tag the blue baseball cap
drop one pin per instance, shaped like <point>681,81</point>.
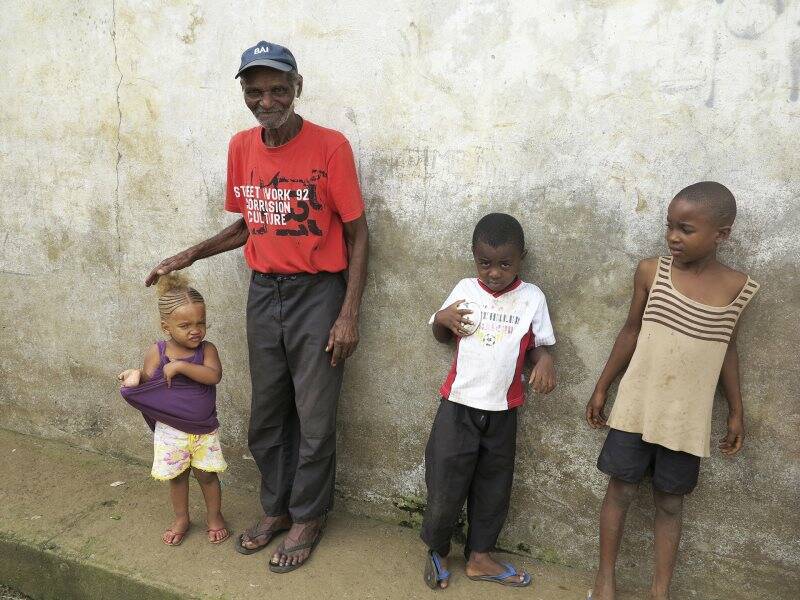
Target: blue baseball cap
<point>267,54</point>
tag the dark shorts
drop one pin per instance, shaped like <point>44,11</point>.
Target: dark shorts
<point>629,458</point>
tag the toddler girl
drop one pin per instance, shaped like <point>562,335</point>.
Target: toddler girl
<point>175,391</point>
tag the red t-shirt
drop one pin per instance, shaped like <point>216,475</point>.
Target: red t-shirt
<point>294,199</point>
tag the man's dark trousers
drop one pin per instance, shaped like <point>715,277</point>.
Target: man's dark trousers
<point>469,456</point>
<point>292,433</point>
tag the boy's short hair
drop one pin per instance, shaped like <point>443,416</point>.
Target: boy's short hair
<point>499,229</point>
<point>715,197</point>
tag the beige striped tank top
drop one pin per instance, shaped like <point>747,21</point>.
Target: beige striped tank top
<point>667,391</point>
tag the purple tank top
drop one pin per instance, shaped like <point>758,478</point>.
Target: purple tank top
<point>187,405</point>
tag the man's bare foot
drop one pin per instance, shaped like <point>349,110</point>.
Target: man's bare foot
<point>300,533</point>
<point>659,595</point>
<point>482,563</point>
<point>262,532</point>
<point>217,531</point>
<point>175,533</point>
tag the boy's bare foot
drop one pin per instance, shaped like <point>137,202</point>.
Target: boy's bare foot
<point>262,532</point>
<point>217,531</point>
<point>482,563</point>
<point>174,534</point>
<point>445,562</point>
<point>299,534</point>
<point>604,589</point>
<point>436,575</point>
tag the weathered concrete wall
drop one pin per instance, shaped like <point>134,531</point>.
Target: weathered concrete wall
<point>582,118</point>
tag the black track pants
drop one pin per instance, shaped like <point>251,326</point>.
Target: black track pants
<point>469,457</point>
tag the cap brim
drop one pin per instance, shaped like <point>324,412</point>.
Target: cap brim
<point>272,64</point>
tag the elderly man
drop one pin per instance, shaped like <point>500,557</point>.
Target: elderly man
<point>302,224</point>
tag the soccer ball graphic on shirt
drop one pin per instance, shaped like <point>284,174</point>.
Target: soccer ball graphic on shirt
<point>488,339</point>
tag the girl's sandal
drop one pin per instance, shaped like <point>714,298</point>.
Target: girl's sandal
<point>221,539</point>
<point>177,536</point>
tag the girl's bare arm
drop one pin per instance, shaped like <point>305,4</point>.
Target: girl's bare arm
<point>135,377</point>
<point>150,363</point>
<point>209,373</point>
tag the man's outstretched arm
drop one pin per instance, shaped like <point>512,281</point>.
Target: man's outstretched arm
<point>229,238</point>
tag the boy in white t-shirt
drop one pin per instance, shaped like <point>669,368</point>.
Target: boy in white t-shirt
<point>471,449</point>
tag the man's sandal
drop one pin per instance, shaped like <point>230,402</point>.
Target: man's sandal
<point>276,567</point>
<point>503,578</point>
<point>434,572</point>
<point>253,534</point>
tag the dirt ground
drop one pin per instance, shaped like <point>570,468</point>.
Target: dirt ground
<point>61,500</point>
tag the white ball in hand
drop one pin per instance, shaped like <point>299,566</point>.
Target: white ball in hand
<point>474,317</point>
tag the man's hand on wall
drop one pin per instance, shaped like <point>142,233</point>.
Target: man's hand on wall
<point>343,339</point>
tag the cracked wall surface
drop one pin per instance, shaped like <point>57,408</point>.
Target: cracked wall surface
<point>580,118</point>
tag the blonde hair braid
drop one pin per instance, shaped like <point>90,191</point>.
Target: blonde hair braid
<point>173,291</point>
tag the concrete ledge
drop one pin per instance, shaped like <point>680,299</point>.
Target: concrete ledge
<point>67,534</point>
<point>50,575</point>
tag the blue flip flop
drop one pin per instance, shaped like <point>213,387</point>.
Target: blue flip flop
<point>434,572</point>
<point>502,578</point>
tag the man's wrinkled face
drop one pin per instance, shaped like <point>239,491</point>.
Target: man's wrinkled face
<point>269,94</point>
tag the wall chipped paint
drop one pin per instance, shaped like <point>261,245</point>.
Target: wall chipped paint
<point>581,118</point>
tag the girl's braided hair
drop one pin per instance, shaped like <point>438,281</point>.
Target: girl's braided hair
<point>173,291</point>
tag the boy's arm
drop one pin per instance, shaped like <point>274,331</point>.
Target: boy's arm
<point>624,345</point>
<point>729,377</point>
<point>543,374</point>
<point>447,322</point>
<point>209,373</point>
<point>440,332</point>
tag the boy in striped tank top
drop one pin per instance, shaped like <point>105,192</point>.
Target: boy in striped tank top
<point>678,341</point>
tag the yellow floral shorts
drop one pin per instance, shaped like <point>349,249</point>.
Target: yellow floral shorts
<point>175,451</point>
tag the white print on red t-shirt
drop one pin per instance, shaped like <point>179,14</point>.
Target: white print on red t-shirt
<point>268,205</point>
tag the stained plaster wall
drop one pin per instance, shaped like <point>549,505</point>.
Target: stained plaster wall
<point>581,118</point>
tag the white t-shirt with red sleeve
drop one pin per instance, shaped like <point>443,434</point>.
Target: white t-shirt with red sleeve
<point>487,369</point>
